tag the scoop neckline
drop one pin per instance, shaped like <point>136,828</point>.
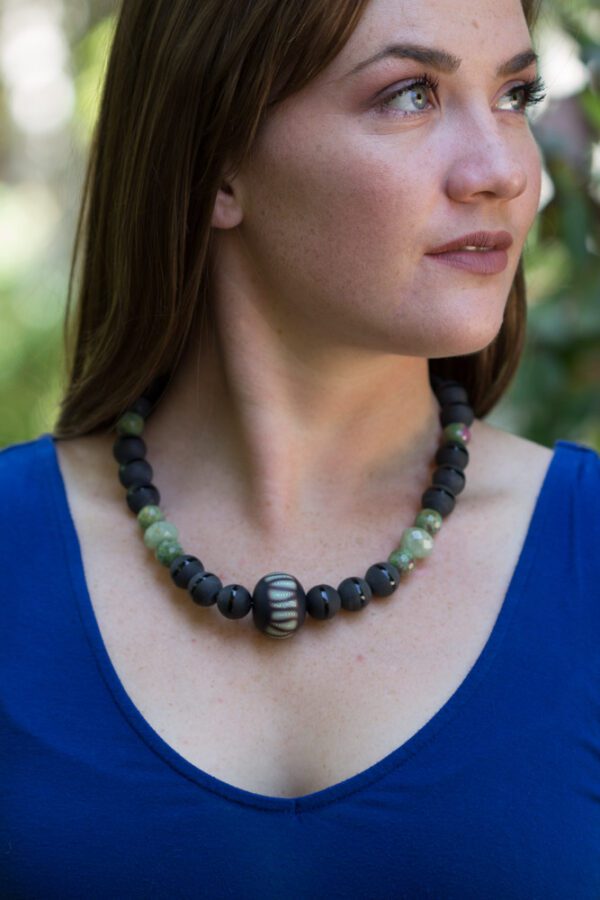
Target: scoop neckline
<point>341,789</point>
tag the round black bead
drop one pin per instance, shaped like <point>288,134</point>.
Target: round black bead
<point>439,498</point>
<point>453,454</point>
<point>456,412</point>
<point>234,601</point>
<point>278,605</point>
<point>142,406</point>
<point>183,568</point>
<point>436,381</point>
<point>203,588</point>
<point>383,578</point>
<point>451,392</point>
<point>323,601</point>
<point>141,495</point>
<point>354,593</point>
<point>126,448</point>
<point>449,477</point>
<point>138,471</point>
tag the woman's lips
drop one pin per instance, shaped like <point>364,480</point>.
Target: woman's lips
<point>481,262</point>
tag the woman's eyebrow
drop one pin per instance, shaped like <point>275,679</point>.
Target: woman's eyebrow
<point>443,61</point>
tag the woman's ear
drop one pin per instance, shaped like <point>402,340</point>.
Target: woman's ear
<point>227,211</point>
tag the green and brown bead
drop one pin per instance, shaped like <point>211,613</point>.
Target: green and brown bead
<point>430,520</point>
<point>167,551</point>
<point>150,514</point>
<point>130,423</point>
<point>458,432</point>
<point>416,541</point>
<point>160,531</point>
<point>402,560</point>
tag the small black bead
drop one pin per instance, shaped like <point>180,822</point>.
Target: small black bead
<point>383,578</point>
<point>323,601</point>
<point>354,593</point>
<point>203,588</point>
<point>451,392</point>
<point>142,406</point>
<point>453,454</point>
<point>450,477</point>
<point>456,412</point>
<point>138,471</point>
<point>439,498</point>
<point>436,381</point>
<point>183,568</point>
<point>141,495</point>
<point>234,601</point>
<point>126,448</point>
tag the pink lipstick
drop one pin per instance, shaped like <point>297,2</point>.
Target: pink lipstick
<point>487,255</point>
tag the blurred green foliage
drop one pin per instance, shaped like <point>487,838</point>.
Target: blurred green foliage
<point>556,393</point>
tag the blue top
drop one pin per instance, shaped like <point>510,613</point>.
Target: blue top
<point>496,796</point>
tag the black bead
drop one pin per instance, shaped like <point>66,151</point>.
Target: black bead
<point>141,495</point>
<point>448,476</point>
<point>453,454</point>
<point>234,601</point>
<point>203,588</point>
<point>438,498</point>
<point>126,448</point>
<point>456,412</point>
<point>323,601</point>
<point>354,592</point>
<point>436,381</point>
<point>138,471</point>
<point>383,578</point>
<point>278,605</point>
<point>451,392</point>
<point>183,568</point>
<point>142,406</point>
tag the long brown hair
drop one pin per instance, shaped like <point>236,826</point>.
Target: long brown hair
<point>187,87</point>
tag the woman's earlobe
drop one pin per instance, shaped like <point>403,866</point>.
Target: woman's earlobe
<point>227,212</point>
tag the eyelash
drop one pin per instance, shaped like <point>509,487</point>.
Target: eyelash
<point>533,91</point>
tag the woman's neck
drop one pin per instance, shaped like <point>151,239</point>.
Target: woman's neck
<point>291,431</point>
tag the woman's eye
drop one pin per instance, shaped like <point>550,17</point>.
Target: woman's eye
<point>530,93</point>
<point>413,93</point>
<point>412,98</point>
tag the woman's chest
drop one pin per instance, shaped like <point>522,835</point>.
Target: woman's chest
<point>288,718</point>
<point>294,718</point>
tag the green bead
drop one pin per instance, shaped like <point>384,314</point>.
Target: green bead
<point>167,551</point>
<point>130,423</point>
<point>457,431</point>
<point>430,520</point>
<point>150,514</point>
<point>402,560</point>
<point>158,532</point>
<point>417,542</point>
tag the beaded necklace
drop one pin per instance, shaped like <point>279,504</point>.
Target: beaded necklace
<point>278,602</point>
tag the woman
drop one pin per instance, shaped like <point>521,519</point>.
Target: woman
<point>271,194</point>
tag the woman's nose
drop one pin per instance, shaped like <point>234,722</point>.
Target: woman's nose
<point>490,161</point>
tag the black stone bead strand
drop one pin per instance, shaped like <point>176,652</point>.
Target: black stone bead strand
<point>452,457</point>
<point>278,603</point>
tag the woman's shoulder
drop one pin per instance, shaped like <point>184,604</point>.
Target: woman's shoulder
<point>562,482</point>
<point>517,455</point>
<point>512,474</point>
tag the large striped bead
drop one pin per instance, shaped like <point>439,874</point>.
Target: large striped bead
<point>278,605</point>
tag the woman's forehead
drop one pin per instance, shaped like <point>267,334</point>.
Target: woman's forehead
<point>452,29</point>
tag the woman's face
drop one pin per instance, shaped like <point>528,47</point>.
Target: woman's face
<point>351,183</point>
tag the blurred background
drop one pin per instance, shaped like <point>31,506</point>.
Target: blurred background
<point>52,59</point>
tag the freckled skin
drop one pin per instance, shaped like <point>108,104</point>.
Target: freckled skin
<point>340,205</point>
